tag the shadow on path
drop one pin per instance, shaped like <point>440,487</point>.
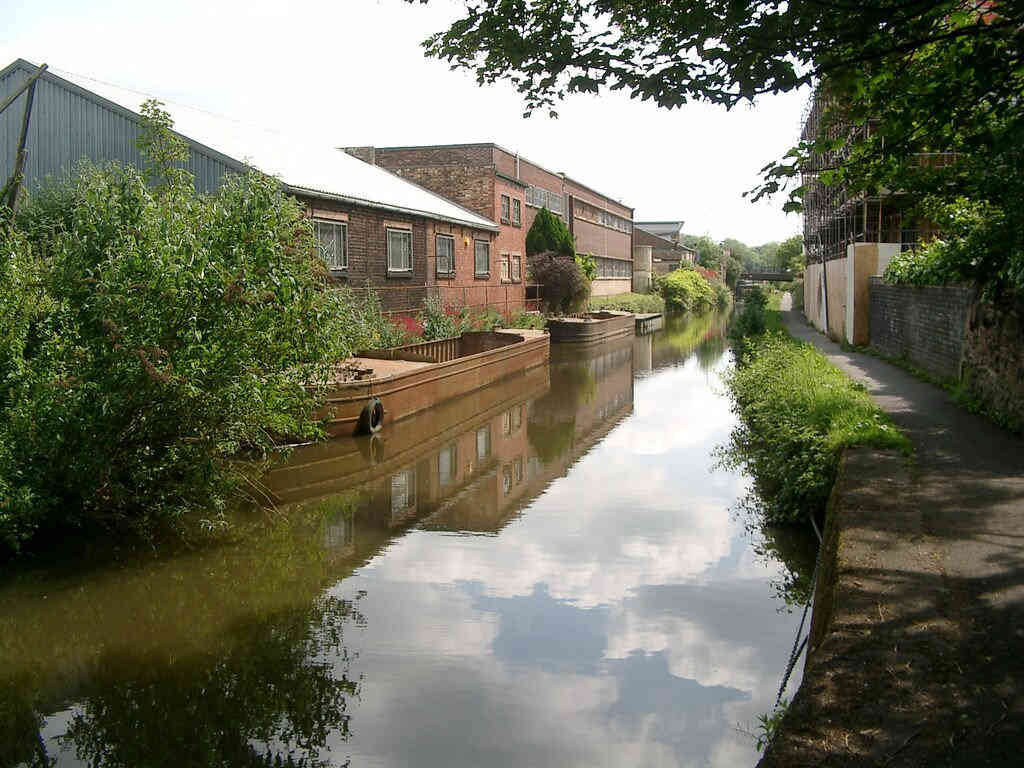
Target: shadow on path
<point>922,661</point>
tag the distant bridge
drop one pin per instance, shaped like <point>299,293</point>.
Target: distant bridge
<point>775,277</point>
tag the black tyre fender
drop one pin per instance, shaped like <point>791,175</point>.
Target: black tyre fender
<point>371,419</point>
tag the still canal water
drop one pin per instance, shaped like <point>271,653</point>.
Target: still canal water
<point>545,573</point>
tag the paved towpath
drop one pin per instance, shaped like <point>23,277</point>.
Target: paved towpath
<point>924,660</point>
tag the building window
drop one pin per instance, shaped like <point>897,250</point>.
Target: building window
<point>517,418</point>
<point>403,494</point>
<point>333,239</point>
<point>482,258</point>
<point>517,470</point>
<point>444,249</point>
<point>517,212</point>
<point>614,268</point>
<point>517,268</point>
<point>506,479</point>
<point>483,443</point>
<point>447,463</point>
<point>539,197</point>
<point>505,205</point>
<point>506,269</point>
<point>399,250</point>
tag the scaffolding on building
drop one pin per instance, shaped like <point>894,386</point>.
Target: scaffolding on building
<point>833,217</point>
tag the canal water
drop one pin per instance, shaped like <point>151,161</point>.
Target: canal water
<point>550,572</point>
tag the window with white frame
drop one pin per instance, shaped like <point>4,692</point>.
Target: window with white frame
<point>399,250</point>
<point>517,268</point>
<point>482,258</point>
<point>332,237</point>
<point>444,249</point>
<point>506,268</point>
<point>517,212</point>
<point>505,208</point>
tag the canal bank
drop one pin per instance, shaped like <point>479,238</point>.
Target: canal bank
<point>918,620</point>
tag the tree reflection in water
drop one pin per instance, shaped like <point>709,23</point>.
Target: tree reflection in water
<point>274,697</point>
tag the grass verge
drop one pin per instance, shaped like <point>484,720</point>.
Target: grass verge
<point>797,413</point>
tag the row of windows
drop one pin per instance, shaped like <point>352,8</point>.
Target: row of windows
<point>595,215</point>
<point>613,267</point>
<point>511,211</point>
<point>539,197</point>
<point>332,237</point>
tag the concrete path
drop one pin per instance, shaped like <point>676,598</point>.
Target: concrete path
<point>922,662</point>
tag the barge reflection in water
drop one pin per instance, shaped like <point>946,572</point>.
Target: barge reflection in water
<point>599,605</point>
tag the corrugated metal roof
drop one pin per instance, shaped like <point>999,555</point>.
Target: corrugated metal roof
<point>303,166</point>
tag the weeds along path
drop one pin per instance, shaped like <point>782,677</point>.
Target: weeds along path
<point>920,663</point>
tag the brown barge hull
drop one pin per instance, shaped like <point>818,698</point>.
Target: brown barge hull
<point>596,326</point>
<point>427,383</point>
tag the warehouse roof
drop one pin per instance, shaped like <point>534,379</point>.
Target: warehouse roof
<point>303,166</point>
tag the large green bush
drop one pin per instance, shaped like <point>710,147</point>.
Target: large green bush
<point>566,289</point>
<point>148,336</point>
<point>686,291</point>
<point>548,234</point>
<point>796,413</point>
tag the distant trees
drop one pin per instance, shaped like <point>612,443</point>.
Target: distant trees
<point>790,255</point>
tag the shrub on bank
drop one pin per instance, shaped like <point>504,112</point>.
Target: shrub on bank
<point>566,289</point>
<point>629,302</point>
<point>147,336</point>
<point>797,412</point>
<point>687,291</point>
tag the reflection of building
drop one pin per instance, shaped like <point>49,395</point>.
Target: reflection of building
<point>446,471</point>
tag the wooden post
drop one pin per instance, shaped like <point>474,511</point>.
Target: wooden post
<point>19,160</point>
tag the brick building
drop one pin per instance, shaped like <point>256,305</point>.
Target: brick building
<point>375,229</point>
<point>503,186</point>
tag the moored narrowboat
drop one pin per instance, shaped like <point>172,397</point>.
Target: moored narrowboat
<point>385,386</point>
<point>591,327</point>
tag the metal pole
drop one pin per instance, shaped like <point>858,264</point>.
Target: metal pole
<point>19,160</point>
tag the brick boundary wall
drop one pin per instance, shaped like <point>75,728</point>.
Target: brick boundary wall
<point>925,325</point>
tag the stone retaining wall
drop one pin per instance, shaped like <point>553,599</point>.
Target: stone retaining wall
<point>993,362</point>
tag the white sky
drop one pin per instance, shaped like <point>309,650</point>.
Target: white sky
<point>351,72</point>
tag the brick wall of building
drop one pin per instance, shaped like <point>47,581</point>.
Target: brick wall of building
<point>367,254</point>
<point>925,325</point>
<point>470,186</point>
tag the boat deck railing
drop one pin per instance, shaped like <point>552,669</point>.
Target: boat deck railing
<point>445,350</point>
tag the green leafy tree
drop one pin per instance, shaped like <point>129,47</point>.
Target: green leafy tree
<point>166,333</point>
<point>905,78</point>
<point>548,234</point>
<point>687,291</point>
<point>709,253</point>
<point>790,255</point>
<point>588,265</point>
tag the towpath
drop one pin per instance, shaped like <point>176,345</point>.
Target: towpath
<point>922,659</point>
